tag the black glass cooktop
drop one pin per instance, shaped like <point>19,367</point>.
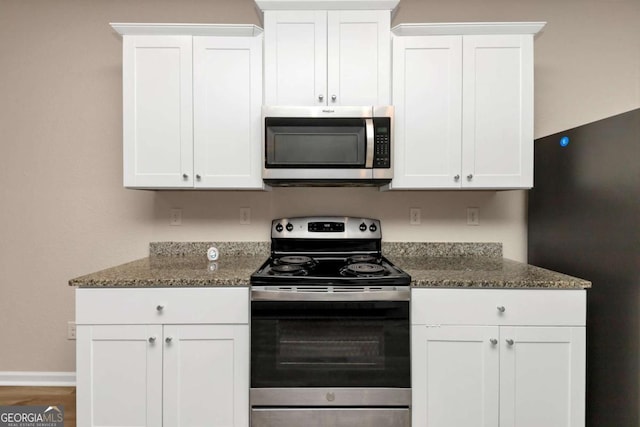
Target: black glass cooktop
<point>361,269</point>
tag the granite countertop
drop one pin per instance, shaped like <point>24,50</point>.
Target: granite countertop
<point>441,265</point>
<point>472,265</point>
<point>177,264</point>
<point>479,272</point>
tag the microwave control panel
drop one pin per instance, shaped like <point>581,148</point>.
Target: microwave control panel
<point>382,142</point>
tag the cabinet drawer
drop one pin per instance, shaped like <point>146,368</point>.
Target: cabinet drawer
<point>157,306</point>
<point>498,307</point>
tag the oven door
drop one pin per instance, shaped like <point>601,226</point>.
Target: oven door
<point>330,344</point>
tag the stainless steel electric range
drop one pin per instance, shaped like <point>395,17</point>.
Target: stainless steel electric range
<point>329,328</point>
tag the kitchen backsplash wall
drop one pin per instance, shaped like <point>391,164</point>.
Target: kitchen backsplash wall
<point>216,215</point>
<point>64,211</point>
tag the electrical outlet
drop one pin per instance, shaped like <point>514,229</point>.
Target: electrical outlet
<point>245,216</point>
<point>473,216</point>
<point>414,216</point>
<point>71,330</point>
<point>175,217</point>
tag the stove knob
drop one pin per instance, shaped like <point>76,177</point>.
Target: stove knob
<point>279,228</point>
<point>373,228</point>
<point>289,227</point>
<point>363,227</point>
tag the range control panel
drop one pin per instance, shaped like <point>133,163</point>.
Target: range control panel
<point>326,227</point>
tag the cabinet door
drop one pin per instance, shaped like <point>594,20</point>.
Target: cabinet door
<point>206,375</point>
<point>427,97</point>
<point>542,377</point>
<point>454,376</point>
<point>359,57</point>
<point>497,110</point>
<point>119,375</point>
<point>227,112</point>
<point>295,57</point>
<point>157,111</point>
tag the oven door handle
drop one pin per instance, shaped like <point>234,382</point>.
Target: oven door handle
<point>262,293</point>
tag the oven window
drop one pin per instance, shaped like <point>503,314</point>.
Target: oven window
<point>330,344</point>
<point>306,144</point>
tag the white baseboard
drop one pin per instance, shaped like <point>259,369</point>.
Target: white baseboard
<point>47,379</point>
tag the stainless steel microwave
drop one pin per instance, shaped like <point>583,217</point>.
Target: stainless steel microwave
<point>328,145</point>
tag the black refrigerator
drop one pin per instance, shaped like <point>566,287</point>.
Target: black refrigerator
<point>584,220</point>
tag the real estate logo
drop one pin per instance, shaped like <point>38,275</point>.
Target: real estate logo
<point>31,416</point>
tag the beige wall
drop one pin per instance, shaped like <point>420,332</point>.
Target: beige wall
<point>63,211</point>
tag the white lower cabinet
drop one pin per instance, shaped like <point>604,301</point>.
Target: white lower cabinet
<point>193,371</point>
<point>477,361</point>
<point>454,376</point>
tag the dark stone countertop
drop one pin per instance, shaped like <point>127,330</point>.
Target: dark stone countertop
<point>483,272</point>
<point>435,265</point>
<point>174,271</point>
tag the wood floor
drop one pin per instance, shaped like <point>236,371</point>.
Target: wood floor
<point>52,396</point>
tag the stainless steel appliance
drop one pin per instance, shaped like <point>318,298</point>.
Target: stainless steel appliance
<point>583,221</point>
<point>329,328</point>
<point>328,145</point>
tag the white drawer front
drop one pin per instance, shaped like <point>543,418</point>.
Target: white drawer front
<point>158,306</point>
<point>498,307</point>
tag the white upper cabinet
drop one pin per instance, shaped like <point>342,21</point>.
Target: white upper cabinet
<point>295,65</point>
<point>497,111</point>
<point>427,77</point>
<point>463,97</point>
<point>359,57</point>
<point>227,95</point>
<point>327,57</point>
<point>192,97</point>
<point>157,111</point>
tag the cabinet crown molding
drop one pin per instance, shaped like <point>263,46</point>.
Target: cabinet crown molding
<point>468,28</point>
<point>327,4</point>
<point>221,30</point>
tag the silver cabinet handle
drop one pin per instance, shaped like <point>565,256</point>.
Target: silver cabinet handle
<point>501,308</point>
<point>333,98</point>
<point>185,176</point>
<point>320,97</point>
<point>493,341</point>
<point>152,339</point>
<point>470,177</point>
<point>168,340</point>
<point>159,307</point>
<point>510,341</point>
<point>198,177</point>
<point>456,178</point>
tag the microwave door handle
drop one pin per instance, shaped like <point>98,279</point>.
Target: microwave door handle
<point>370,138</point>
